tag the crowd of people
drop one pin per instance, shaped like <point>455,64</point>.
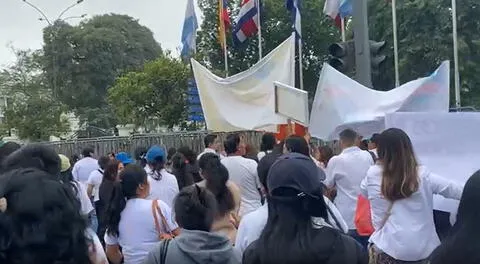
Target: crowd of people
<point>292,202</point>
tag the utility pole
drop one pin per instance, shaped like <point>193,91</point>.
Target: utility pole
<point>362,43</point>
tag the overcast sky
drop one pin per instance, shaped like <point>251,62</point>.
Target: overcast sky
<point>20,27</point>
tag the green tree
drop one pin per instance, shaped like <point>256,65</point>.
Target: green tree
<point>31,110</point>
<point>154,96</point>
<point>425,40</point>
<point>317,30</point>
<point>82,62</point>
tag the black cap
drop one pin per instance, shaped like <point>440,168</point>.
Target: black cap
<point>298,172</point>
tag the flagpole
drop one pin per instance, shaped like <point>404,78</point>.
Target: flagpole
<point>342,21</point>
<point>300,52</point>
<point>395,43</point>
<point>455,55</point>
<point>224,38</point>
<point>259,23</point>
<point>225,55</point>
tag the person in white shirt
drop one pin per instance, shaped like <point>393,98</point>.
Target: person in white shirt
<point>345,172</point>
<point>372,144</point>
<point>163,185</point>
<point>135,223</point>
<point>212,145</point>
<point>253,223</point>
<point>268,142</point>
<point>95,179</point>
<point>243,172</point>
<point>401,192</point>
<point>82,169</point>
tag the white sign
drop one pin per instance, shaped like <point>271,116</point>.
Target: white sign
<point>447,143</point>
<point>291,103</point>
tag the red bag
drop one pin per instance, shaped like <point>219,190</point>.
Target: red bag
<point>363,217</point>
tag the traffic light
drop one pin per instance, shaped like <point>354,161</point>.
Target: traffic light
<point>377,58</point>
<point>342,56</point>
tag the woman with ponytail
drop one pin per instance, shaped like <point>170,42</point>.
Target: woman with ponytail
<point>226,193</point>
<point>163,185</point>
<point>134,223</point>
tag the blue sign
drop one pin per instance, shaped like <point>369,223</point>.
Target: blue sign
<point>195,112</point>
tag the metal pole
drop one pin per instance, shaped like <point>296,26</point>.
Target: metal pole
<point>458,103</point>
<point>395,43</point>
<point>259,23</point>
<point>342,21</point>
<point>362,46</point>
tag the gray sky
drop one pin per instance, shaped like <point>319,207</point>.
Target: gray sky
<point>20,27</point>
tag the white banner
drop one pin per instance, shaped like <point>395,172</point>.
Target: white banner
<point>447,143</point>
<point>341,102</point>
<point>246,101</point>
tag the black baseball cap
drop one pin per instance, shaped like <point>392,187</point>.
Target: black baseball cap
<point>296,171</point>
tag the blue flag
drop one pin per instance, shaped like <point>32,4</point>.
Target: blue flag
<point>189,32</point>
<point>293,7</point>
<point>345,9</point>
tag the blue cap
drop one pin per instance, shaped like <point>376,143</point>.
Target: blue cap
<point>124,158</point>
<point>154,153</point>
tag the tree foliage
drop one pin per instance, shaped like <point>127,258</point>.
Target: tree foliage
<point>425,40</point>
<point>83,61</point>
<point>154,96</point>
<point>31,110</point>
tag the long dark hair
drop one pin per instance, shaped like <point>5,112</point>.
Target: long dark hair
<point>461,245</point>
<point>268,142</point>
<point>400,176</point>
<point>216,176</point>
<point>195,208</point>
<point>326,153</point>
<point>130,178</point>
<point>179,169</point>
<point>111,171</point>
<point>289,236</point>
<point>42,222</point>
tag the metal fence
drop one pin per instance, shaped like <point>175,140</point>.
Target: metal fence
<point>104,145</point>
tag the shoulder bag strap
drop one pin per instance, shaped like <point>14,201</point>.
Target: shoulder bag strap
<point>163,251</point>
<point>162,218</point>
<point>387,215</point>
<point>155,217</point>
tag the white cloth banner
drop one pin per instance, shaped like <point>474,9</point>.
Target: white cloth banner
<point>447,143</point>
<point>341,102</point>
<point>246,101</point>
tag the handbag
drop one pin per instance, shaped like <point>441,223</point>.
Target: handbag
<point>363,217</point>
<point>372,253</point>
<point>156,211</point>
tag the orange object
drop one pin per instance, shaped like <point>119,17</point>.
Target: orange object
<point>285,130</point>
<point>363,217</point>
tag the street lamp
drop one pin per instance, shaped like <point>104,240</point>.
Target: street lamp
<point>54,33</point>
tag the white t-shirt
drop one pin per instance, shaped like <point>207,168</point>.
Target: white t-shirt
<point>243,172</point>
<point>95,249</point>
<point>95,179</point>
<point>82,196</point>
<point>165,189</point>
<point>137,233</point>
<point>252,224</point>
<point>346,171</point>
<point>409,231</point>
<point>82,169</point>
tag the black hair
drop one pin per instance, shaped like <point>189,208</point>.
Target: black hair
<point>264,167</point>
<point>179,169</point>
<point>364,144</point>
<point>158,164</point>
<point>189,154</point>
<point>87,151</point>
<point>297,144</point>
<point>171,152</point>
<point>66,177</point>
<point>37,156</point>
<point>289,235</point>
<point>130,178</point>
<point>278,148</point>
<point>461,245</point>
<point>209,140</point>
<point>268,142</point>
<point>348,136</point>
<point>375,138</point>
<point>7,149</point>
<point>216,177</point>
<point>103,162</point>
<point>326,154</point>
<point>42,222</point>
<point>195,208</point>
<point>232,143</point>
<point>111,170</point>
<point>140,153</point>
